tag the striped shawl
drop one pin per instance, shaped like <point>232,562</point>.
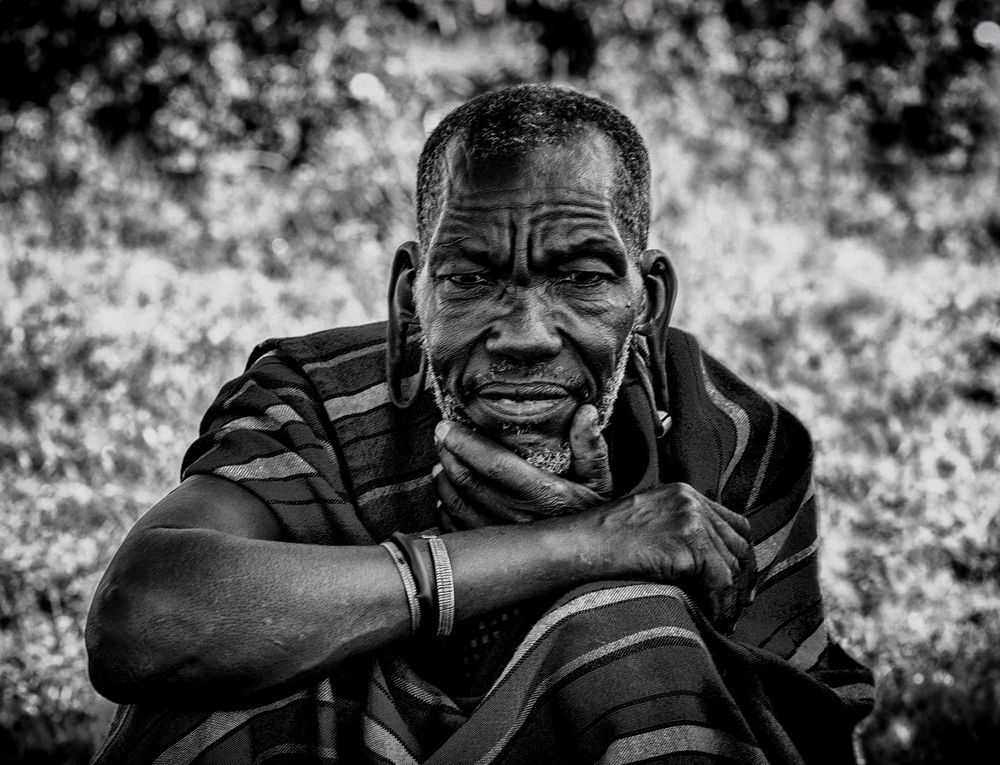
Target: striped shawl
<point>613,672</point>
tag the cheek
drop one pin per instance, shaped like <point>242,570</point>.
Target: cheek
<point>601,334</point>
<point>450,336</point>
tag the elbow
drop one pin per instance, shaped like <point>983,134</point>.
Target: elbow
<point>113,654</point>
<point>123,661</point>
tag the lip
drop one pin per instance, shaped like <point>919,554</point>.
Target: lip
<point>522,404</point>
<point>523,391</point>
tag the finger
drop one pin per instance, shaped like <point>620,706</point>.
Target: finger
<point>498,507</point>
<point>590,451</point>
<point>457,472</point>
<point>737,546</point>
<point>445,521</point>
<point>738,522</point>
<point>486,501</point>
<point>459,514</point>
<point>719,544</point>
<point>730,526</point>
<point>748,579</point>
<point>720,593</point>
<point>746,571</point>
<point>523,486</point>
<point>487,459</point>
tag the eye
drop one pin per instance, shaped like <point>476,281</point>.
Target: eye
<point>583,278</point>
<point>469,279</point>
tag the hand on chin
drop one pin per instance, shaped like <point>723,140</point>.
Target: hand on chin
<point>480,482</point>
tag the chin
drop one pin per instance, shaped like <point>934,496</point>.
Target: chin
<point>543,442</point>
<point>543,452</point>
<point>523,443</point>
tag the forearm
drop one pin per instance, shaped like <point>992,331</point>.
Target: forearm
<point>192,614</point>
<point>189,614</point>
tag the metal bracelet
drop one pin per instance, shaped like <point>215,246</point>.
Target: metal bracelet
<point>420,564</point>
<point>444,583</point>
<point>409,585</point>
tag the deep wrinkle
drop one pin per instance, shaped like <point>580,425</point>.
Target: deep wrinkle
<point>526,272</point>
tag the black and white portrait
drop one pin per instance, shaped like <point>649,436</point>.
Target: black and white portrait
<point>502,381</point>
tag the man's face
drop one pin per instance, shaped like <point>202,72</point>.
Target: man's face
<point>527,296</point>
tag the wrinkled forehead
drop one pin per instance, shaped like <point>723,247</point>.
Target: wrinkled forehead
<point>545,204</point>
<point>584,162</point>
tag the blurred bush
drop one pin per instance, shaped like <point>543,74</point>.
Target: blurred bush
<point>180,179</point>
<point>886,89</point>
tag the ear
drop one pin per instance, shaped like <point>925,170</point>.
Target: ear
<point>402,313</point>
<point>660,283</point>
<point>405,264</point>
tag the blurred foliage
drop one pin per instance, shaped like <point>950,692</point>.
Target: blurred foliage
<point>180,179</point>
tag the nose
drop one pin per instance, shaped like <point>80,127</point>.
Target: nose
<point>525,332</point>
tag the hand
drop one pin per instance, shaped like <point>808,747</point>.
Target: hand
<point>674,534</point>
<point>481,483</point>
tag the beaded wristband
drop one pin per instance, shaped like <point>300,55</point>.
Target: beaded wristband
<point>409,586</point>
<point>420,565</point>
<point>444,582</point>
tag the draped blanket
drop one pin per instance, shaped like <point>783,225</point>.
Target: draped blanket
<point>612,672</point>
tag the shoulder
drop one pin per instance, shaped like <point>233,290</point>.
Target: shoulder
<point>385,454</point>
<point>344,369</point>
<point>738,439</point>
<point>305,372</point>
<point>327,349</point>
<point>335,362</point>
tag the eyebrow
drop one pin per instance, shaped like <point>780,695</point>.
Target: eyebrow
<point>468,246</point>
<point>600,244</point>
<point>452,241</point>
<point>446,255</point>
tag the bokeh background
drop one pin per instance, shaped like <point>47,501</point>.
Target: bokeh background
<point>180,179</point>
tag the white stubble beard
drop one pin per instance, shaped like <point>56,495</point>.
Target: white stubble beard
<point>556,461</point>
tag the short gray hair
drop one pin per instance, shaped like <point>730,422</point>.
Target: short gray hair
<point>512,121</point>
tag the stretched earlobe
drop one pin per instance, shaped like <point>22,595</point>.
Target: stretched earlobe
<point>402,313</point>
<point>642,362</point>
<point>661,292</point>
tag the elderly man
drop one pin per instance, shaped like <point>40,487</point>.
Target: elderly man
<point>522,521</point>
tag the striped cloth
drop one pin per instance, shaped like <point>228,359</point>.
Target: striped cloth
<point>613,672</point>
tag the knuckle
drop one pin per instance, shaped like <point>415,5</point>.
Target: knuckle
<point>744,551</point>
<point>462,477</point>
<point>689,564</point>
<point>667,491</point>
<point>682,489</point>
<point>554,485</point>
<point>692,506</point>
<point>726,580</point>
<point>494,471</point>
<point>690,515</point>
<point>561,494</point>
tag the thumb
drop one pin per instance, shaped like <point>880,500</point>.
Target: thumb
<point>590,451</point>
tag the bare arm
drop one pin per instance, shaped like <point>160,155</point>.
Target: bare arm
<point>203,605</point>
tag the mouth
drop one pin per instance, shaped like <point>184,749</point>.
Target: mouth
<point>522,404</point>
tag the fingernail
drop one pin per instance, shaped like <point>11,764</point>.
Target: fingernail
<point>441,430</point>
<point>436,469</point>
<point>595,425</point>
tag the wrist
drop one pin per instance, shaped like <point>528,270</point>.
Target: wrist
<point>580,545</point>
